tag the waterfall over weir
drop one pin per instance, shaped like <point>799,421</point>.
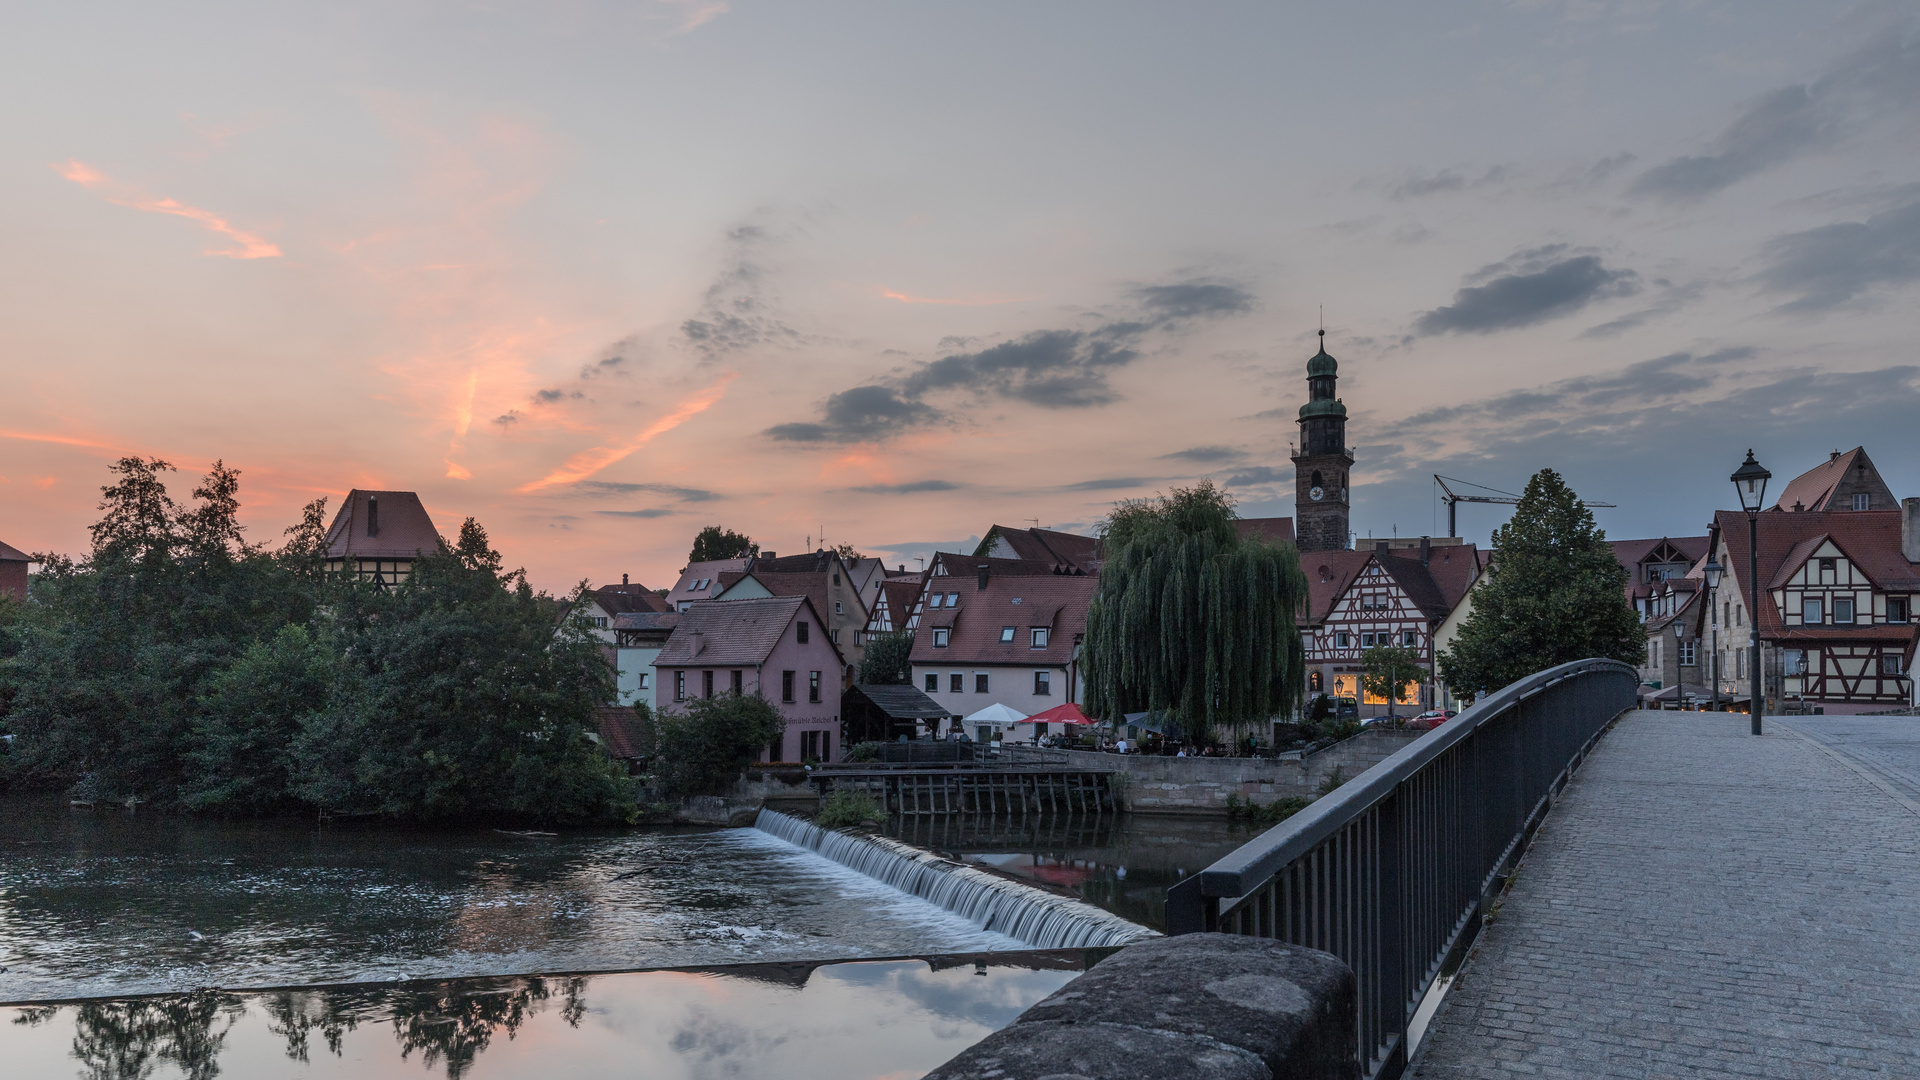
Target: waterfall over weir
<point>1035,916</point>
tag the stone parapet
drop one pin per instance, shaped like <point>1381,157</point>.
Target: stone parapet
<point>1204,785</point>
<point>1201,1005</point>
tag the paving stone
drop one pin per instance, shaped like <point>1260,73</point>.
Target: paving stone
<point>1703,903</point>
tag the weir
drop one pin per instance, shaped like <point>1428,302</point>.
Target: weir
<point>1037,917</point>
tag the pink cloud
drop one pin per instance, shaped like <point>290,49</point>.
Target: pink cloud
<point>246,244</point>
<point>587,462</point>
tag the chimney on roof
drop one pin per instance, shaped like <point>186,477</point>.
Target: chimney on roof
<point>1910,529</point>
<point>699,641</point>
<point>373,515</point>
<point>766,555</point>
<point>623,579</point>
<point>1380,546</point>
<point>1833,457</point>
<point>903,568</point>
<point>983,576</point>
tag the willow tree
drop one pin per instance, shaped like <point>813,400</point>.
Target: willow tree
<point>1192,618</point>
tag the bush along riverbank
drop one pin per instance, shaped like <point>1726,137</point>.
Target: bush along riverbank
<point>179,665</point>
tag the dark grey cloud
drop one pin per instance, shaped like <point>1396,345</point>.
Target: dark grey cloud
<point>1117,483</point>
<point>1260,474</point>
<point>609,487</point>
<point>548,397</point>
<point>1647,381</point>
<point>1531,287</point>
<point>911,488</point>
<point>650,512</point>
<point>1671,299</point>
<point>1790,121</point>
<point>735,313</point>
<point>1414,185</point>
<point>1204,455</point>
<point>510,417</point>
<point>1189,299</point>
<point>1835,264</point>
<point>862,413</point>
<point>1053,369</point>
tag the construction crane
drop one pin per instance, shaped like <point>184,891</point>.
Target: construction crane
<point>1452,499</point>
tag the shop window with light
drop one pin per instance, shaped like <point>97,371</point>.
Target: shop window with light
<point>1843,609</point>
<point>1042,683</point>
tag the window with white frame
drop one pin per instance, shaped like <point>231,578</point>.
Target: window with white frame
<point>1689,656</point>
<point>1408,638</point>
<point>1843,609</point>
<point>1039,637</point>
<point>1890,664</point>
<point>1860,500</point>
<point>1342,639</point>
<point>1812,611</point>
<point>940,636</point>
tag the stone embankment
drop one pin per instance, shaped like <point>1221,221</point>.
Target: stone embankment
<point>1203,785</point>
<point>1217,1006</point>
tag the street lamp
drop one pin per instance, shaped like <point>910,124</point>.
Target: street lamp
<point>1712,572</point>
<point>1750,483</point>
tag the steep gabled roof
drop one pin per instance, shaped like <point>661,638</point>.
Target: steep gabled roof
<point>1277,529</point>
<point>735,633</point>
<point>1328,575</point>
<point>615,599</point>
<point>1043,545</point>
<point>661,621</point>
<point>1455,568</point>
<point>9,553</point>
<point>1870,538</point>
<point>381,525</point>
<point>708,572</point>
<point>1813,490</point>
<point>1417,582</point>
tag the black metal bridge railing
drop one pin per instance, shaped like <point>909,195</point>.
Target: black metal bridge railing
<point>1388,871</point>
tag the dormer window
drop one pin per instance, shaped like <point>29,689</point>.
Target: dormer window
<point>1039,637</point>
<point>940,637</point>
<point>936,601</point>
<point>1006,635</point>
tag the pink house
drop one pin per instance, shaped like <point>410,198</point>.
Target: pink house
<point>774,646</point>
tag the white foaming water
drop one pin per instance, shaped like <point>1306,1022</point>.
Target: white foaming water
<point>1041,919</point>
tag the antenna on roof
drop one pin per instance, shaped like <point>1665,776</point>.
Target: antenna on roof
<point>1036,521</point>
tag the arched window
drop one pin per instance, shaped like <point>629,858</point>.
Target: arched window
<point>1315,482</point>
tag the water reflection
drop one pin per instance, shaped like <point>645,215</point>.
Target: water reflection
<point>1123,863</point>
<point>873,1018</point>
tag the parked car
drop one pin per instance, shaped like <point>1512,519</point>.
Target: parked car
<point>1432,718</point>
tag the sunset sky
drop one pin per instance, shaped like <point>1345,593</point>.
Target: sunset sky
<point>601,274</point>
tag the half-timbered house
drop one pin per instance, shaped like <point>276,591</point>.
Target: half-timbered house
<point>1361,599</point>
<point>1836,611</point>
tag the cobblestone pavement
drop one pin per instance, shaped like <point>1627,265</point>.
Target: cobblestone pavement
<point>1888,746</point>
<point>1700,903</point>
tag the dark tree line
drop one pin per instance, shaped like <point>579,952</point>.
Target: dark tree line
<point>179,664</point>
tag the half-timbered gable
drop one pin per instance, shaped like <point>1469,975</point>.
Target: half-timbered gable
<point>1362,599</point>
<point>1836,607</point>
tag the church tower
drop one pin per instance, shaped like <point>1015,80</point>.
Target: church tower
<point>1320,467</point>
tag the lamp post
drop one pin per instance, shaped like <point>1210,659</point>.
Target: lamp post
<point>1750,483</point>
<point>1712,572</point>
<point>1679,669</point>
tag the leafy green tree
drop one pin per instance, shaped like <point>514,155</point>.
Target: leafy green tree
<point>251,713</point>
<point>1193,618</point>
<point>848,553</point>
<point>704,748</point>
<point>1553,594</point>
<point>1387,669</point>
<point>461,700</point>
<point>714,542</point>
<point>885,661</point>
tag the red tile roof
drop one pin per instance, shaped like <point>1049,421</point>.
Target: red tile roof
<point>1056,601</point>
<point>616,599</point>
<point>721,633</point>
<point>1328,575</point>
<point>1871,539</point>
<point>622,733</point>
<point>400,530</point>
<point>709,572</point>
<point>1277,529</point>
<point>1045,545</point>
<point>1812,489</point>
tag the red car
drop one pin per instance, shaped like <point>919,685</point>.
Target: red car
<point>1433,718</point>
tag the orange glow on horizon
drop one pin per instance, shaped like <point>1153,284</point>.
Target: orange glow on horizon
<point>587,462</point>
<point>249,245</point>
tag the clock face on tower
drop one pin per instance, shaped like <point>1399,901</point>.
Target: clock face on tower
<point>1316,494</point>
